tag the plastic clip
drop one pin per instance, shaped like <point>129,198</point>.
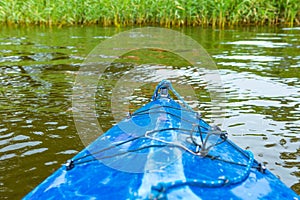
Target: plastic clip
<point>262,168</point>
<point>69,165</point>
<point>128,115</point>
<point>224,135</point>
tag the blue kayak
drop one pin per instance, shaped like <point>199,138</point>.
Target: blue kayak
<point>164,150</point>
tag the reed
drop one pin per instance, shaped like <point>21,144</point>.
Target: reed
<point>217,13</point>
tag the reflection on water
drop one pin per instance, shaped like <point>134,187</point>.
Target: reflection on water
<point>259,68</point>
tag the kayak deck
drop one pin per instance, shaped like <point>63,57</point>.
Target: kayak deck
<point>162,151</point>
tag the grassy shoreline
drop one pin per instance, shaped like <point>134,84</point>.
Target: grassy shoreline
<point>167,13</point>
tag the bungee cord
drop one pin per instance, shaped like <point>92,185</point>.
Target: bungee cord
<point>200,147</point>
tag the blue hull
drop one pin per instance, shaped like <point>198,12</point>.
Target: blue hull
<point>163,151</point>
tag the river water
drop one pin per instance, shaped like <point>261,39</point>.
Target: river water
<point>258,67</point>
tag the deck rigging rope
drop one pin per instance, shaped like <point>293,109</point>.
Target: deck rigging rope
<point>71,163</point>
<point>166,84</point>
<point>199,146</point>
<point>160,191</point>
<point>202,148</point>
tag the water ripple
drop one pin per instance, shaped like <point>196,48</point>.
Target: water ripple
<point>260,43</point>
<point>14,147</point>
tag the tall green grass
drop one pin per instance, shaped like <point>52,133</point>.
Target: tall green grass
<point>150,12</point>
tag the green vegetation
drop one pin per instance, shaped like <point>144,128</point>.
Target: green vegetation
<point>150,12</point>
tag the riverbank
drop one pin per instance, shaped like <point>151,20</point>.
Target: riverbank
<point>167,13</point>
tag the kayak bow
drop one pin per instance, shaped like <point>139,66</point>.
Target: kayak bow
<point>164,150</point>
